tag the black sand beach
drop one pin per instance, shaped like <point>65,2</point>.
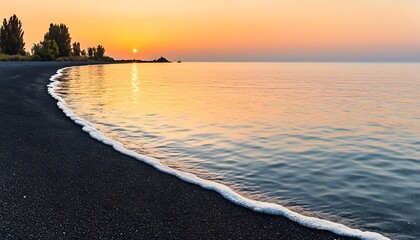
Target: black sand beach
<point>56,182</point>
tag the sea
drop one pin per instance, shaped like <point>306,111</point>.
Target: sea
<point>333,141</point>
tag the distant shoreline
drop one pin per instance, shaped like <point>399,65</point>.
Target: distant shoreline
<point>77,59</point>
<point>159,60</point>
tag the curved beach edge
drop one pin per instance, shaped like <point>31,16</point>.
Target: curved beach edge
<point>224,191</point>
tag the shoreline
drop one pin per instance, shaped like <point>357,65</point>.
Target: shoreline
<point>223,190</point>
<point>50,158</point>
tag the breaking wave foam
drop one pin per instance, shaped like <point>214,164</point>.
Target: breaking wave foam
<point>225,191</point>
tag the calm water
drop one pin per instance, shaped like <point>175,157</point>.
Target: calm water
<point>339,141</point>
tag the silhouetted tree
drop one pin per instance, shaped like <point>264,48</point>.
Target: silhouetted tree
<point>46,50</point>
<point>60,34</point>
<point>91,52</point>
<point>83,52</point>
<point>11,36</point>
<point>76,49</point>
<point>94,52</point>
<point>100,52</point>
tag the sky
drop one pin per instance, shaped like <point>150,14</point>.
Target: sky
<point>232,30</point>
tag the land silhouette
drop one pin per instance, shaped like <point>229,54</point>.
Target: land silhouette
<point>56,46</point>
<point>159,60</point>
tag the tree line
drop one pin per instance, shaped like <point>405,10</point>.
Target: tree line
<point>56,44</point>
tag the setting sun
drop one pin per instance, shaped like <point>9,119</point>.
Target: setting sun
<point>134,50</point>
<point>266,30</point>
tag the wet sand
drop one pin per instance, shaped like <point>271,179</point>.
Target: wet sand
<point>56,182</point>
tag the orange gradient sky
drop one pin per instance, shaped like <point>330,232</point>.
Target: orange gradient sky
<point>234,30</point>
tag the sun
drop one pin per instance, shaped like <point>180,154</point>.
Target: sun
<point>134,50</point>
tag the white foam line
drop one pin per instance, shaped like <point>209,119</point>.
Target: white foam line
<point>225,191</point>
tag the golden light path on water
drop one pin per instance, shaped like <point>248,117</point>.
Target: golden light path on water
<point>134,84</point>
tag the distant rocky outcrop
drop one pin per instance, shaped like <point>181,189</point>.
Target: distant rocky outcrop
<point>161,59</point>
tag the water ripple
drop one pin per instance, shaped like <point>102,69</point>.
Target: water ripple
<point>336,141</point>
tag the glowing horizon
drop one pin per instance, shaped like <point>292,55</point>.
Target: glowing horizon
<point>248,30</point>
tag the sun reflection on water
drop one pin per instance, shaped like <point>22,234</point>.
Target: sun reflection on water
<point>134,83</point>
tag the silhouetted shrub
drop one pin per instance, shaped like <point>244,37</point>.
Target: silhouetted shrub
<point>47,50</point>
<point>100,52</point>
<point>76,49</point>
<point>91,52</point>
